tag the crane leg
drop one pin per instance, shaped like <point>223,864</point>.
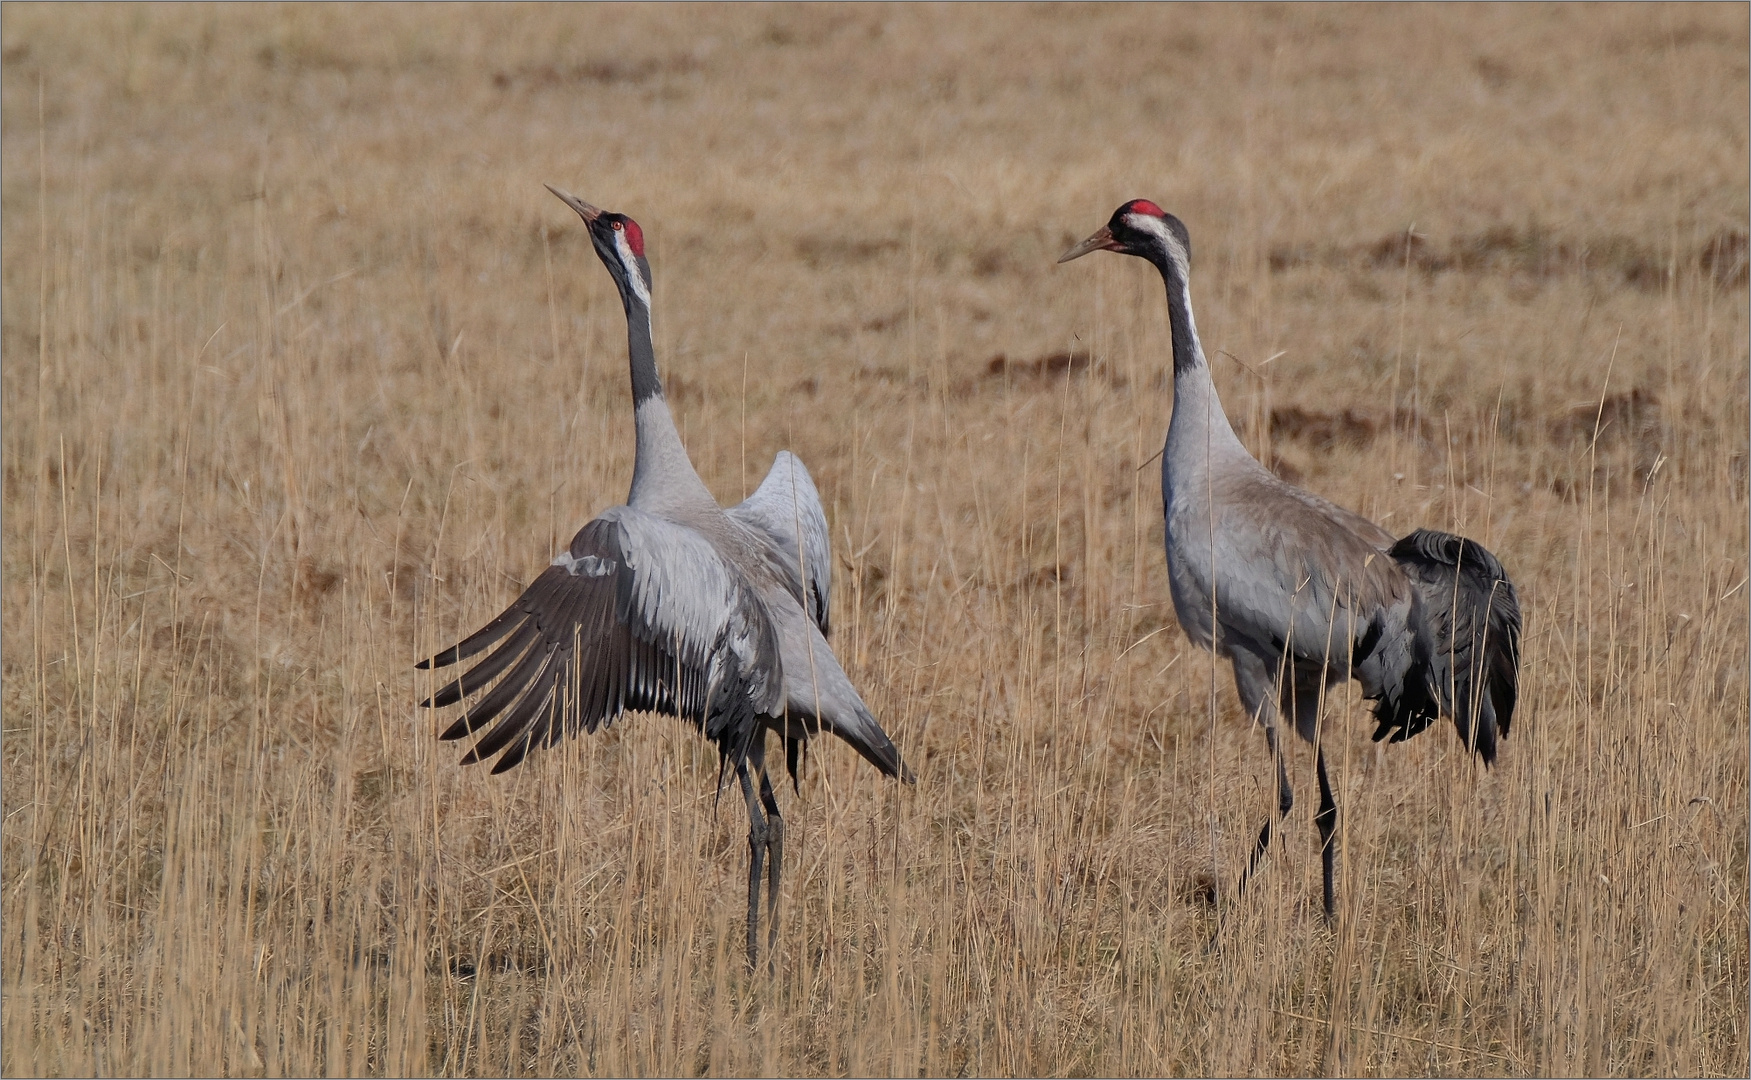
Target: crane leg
<point>757,837</point>
<point>775,856</point>
<point>1285,803</point>
<point>1327,819</point>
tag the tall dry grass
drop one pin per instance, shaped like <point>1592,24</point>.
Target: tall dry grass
<point>304,374</point>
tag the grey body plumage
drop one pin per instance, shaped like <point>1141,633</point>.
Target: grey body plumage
<point>1301,595</point>
<point>670,604</point>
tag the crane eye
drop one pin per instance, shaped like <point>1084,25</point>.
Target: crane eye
<point>617,226</point>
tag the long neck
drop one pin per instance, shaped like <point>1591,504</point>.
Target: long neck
<point>1199,430</point>
<point>662,476</point>
<point>642,354</point>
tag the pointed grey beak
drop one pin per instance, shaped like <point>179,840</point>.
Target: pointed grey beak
<point>585,210</point>
<point>1102,240</point>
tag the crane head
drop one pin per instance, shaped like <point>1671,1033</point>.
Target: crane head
<point>619,243</point>
<point>1139,228</point>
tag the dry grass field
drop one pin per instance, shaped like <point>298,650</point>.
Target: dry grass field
<point>305,375</point>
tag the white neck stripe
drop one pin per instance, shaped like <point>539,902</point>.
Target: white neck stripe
<point>1156,227</point>
<point>630,262</point>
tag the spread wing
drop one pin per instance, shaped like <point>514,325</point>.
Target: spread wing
<point>786,509</point>
<point>639,613</point>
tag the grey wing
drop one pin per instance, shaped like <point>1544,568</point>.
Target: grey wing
<point>1299,579</point>
<point>786,509</point>
<point>820,696</point>
<point>1293,582</point>
<point>1473,616</point>
<point>638,613</point>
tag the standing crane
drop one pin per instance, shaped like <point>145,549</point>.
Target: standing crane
<point>671,604</point>
<point>1302,595</point>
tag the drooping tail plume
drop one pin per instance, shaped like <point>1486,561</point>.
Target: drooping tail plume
<point>1473,617</point>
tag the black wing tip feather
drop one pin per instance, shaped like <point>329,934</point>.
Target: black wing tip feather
<point>471,644</point>
<point>1413,710</point>
<point>887,759</point>
<point>513,756</point>
<point>889,765</point>
<point>506,621</point>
